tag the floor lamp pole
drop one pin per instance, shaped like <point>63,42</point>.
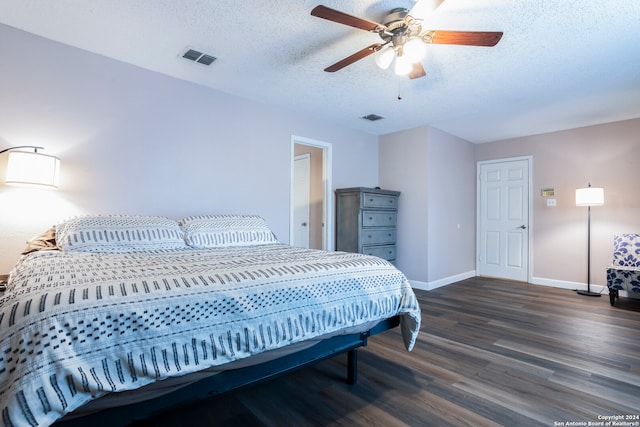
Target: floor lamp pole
<point>588,291</point>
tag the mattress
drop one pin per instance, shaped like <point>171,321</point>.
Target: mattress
<point>78,326</point>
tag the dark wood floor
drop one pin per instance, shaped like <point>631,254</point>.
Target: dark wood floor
<point>490,353</point>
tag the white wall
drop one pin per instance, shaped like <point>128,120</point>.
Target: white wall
<point>135,141</point>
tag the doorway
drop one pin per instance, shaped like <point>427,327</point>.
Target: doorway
<point>504,216</point>
<point>314,197</point>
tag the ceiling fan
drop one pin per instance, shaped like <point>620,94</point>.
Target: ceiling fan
<point>402,38</point>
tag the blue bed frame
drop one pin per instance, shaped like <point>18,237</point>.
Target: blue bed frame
<point>235,379</point>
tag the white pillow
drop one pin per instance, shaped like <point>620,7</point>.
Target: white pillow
<point>213,231</point>
<point>119,233</point>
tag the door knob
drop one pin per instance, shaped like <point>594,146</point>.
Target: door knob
<point>304,224</point>
<point>523,226</point>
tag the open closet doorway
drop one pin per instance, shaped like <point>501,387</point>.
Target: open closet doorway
<point>311,203</point>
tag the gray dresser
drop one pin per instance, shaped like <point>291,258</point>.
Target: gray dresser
<point>366,221</point>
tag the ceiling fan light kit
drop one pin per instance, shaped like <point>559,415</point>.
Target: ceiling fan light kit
<point>385,58</point>
<point>414,49</point>
<point>403,65</point>
<point>405,40</point>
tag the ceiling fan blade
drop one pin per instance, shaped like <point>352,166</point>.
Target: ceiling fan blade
<point>355,57</point>
<point>343,18</point>
<point>466,38</point>
<point>417,71</point>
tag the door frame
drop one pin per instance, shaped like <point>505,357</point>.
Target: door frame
<point>307,158</point>
<point>529,160</point>
<point>327,211</point>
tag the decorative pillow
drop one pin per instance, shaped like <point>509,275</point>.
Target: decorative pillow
<point>213,231</point>
<point>626,250</point>
<point>44,242</point>
<point>119,233</point>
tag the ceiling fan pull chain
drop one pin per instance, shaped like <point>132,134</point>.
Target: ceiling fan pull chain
<point>399,88</point>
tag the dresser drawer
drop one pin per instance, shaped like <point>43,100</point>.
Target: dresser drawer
<point>384,201</point>
<point>387,252</point>
<point>378,219</point>
<point>378,236</point>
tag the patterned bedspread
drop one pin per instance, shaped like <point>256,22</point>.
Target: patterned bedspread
<point>75,326</point>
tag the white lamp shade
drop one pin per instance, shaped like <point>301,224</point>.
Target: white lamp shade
<point>403,66</point>
<point>589,196</point>
<point>385,58</point>
<point>32,168</point>
<point>414,50</point>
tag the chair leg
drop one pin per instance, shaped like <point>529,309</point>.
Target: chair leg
<point>613,294</point>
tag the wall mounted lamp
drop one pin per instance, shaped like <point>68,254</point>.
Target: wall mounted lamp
<point>26,167</point>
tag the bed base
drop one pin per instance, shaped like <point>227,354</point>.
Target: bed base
<point>238,378</point>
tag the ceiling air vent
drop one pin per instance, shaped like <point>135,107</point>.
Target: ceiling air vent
<point>372,117</point>
<point>202,58</point>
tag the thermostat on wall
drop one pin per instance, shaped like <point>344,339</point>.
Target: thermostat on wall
<point>548,192</point>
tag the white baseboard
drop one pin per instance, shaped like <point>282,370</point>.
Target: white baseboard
<point>565,284</point>
<point>429,286</point>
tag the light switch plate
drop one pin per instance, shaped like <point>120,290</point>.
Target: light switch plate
<point>551,202</point>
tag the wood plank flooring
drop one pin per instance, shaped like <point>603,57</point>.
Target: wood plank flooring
<point>490,353</point>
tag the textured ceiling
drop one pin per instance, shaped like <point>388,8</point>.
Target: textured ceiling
<point>560,64</point>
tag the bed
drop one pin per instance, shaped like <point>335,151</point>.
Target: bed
<point>125,308</point>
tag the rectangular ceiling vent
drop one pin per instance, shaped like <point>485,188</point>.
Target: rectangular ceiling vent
<point>196,56</point>
<point>372,117</point>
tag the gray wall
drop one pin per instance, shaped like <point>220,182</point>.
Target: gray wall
<point>135,141</point>
<point>138,142</point>
<point>403,167</point>
<point>436,173</point>
<point>436,232</point>
<point>606,155</point>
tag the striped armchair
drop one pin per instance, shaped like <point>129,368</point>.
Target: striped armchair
<point>624,273</point>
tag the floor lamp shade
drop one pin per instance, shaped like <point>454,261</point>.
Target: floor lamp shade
<point>32,168</point>
<point>589,196</point>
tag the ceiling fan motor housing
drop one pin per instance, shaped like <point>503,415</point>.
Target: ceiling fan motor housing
<point>397,31</point>
<point>395,18</point>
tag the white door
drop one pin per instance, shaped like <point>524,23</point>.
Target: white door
<point>301,189</point>
<point>503,219</point>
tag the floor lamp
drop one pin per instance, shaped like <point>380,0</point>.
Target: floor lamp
<point>589,196</point>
